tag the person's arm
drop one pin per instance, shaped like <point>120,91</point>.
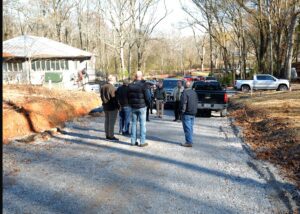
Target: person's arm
<point>183,102</point>
<point>165,95</point>
<point>147,96</point>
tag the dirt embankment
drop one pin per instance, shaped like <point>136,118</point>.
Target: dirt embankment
<point>271,126</point>
<point>32,109</point>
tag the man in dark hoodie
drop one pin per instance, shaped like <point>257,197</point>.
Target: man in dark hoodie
<point>188,109</point>
<point>110,106</point>
<point>139,98</point>
<point>124,113</point>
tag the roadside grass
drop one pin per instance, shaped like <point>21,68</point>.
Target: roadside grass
<point>271,126</point>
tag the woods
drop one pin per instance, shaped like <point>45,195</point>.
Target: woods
<point>233,36</point>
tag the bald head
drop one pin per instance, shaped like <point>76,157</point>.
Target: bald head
<point>139,75</point>
<point>188,84</point>
<point>111,79</point>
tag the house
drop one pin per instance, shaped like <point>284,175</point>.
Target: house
<point>38,60</point>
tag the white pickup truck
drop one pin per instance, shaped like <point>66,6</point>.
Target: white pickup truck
<point>262,82</point>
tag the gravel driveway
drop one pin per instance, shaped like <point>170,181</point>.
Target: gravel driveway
<point>78,171</point>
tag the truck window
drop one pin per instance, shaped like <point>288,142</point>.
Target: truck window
<point>261,77</point>
<point>270,78</point>
<point>208,86</point>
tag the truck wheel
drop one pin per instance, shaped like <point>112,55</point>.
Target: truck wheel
<point>245,88</point>
<point>223,113</point>
<point>282,88</point>
<point>200,113</point>
<point>208,113</point>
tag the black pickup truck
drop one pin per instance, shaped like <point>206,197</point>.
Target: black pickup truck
<point>211,97</point>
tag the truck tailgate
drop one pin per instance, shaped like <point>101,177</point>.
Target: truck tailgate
<point>211,97</point>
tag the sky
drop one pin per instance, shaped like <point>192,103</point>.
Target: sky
<point>176,18</point>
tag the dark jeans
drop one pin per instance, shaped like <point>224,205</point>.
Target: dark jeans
<point>177,110</point>
<point>188,123</point>
<point>149,109</point>
<point>124,120</point>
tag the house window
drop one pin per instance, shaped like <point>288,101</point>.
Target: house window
<point>9,67</point>
<point>33,66</point>
<point>4,67</point>
<point>62,64</point>
<point>20,67</point>
<point>43,62</point>
<point>38,65</point>
<point>52,65</point>
<point>48,65</point>
<point>67,64</point>
<point>57,65</point>
<point>15,65</point>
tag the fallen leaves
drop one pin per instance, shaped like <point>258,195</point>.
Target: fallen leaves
<point>273,137</point>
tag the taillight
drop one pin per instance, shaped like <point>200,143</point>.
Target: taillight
<point>225,98</point>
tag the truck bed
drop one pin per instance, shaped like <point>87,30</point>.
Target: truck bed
<point>211,96</point>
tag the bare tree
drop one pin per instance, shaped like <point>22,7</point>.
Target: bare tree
<point>146,21</point>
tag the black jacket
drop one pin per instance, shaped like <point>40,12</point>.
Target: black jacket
<point>121,95</point>
<point>138,95</point>
<point>160,94</point>
<point>189,102</point>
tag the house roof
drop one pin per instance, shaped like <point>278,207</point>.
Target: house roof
<point>39,47</point>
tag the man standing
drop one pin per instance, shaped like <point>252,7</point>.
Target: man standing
<point>177,94</point>
<point>138,98</point>
<point>188,109</point>
<point>124,114</point>
<point>160,96</point>
<point>110,106</point>
<point>150,106</point>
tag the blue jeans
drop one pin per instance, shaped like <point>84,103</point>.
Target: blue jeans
<point>124,120</point>
<point>138,115</point>
<point>188,123</point>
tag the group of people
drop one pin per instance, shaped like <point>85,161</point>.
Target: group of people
<point>134,100</point>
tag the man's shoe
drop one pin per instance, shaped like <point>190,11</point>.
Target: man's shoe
<point>136,144</point>
<point>175,120</point>
<point>126,134</point>
<point>114,138</point>
<point>144,144</point>
<point>186,144</point>
<point>148,120</point>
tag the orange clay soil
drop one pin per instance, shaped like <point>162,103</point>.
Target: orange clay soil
<point>271,126</point>
<point>33,109</point>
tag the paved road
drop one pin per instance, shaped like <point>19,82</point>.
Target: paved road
<point>80,172</point>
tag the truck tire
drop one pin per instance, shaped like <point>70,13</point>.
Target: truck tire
<point>223,113</point>
<point>208,113</point>
<point>282,87</point>
<point>200,113</point>
<point>245,88</point>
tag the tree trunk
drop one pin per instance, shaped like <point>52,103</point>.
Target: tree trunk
<point>289,54</point>
<point>129,62</point>
<point>122,61</point>
<point>139,58</point>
